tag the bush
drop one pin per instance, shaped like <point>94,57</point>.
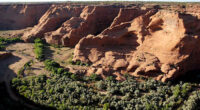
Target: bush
<point>55,68</point>
<point>106,106</point>
<point>51,65</point>
<point>39,49</point>
<point>176,91</point>
<point>74,77</point>
<point>27,65</point>
<point>94,77</point>
<point>109,78</point>
<point>77,62</point>
<point>6,41</point>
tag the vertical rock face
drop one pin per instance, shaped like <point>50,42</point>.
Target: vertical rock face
<point>20,16</point>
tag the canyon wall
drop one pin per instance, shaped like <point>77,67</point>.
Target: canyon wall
<point>156,41</point>
<point>20,16</point>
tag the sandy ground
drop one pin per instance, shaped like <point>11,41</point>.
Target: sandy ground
<point>13,33</point>
<point>24,52</point>
<point>21,54</point>
<point>63,55</point>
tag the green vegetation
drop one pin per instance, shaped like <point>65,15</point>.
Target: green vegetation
<point>78,63</point>
<point>64,90</point>
<point>27,65</point>
<point>55,68</point>
<point>6,41</point>
<point>39,49</point>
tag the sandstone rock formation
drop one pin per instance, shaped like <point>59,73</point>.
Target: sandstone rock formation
<point>51,20</point>
<point>77,22</point>
<point>92,20</point>
<point>158,41</point>
<point>20,16</point>
<point>161,44</point>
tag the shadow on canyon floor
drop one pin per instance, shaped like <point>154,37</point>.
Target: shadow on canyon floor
<point>190,76</point>
<point>9,98</point>
<point>4,66</point>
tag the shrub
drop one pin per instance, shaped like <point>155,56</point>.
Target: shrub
<point>77,62</point>
<point>27,65</point>
<point>185,89</point>
<point>39,49</point>
<point>6,41</point>
<point>94,77</point>
<point>51,65</point>
<point>109,78</point>
<point>74,77</point>
<point>176,91</point>
<point>60,70</point>
<point>106,106</point>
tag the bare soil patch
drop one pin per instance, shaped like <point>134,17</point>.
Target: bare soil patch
<point>13,33</point>
<point>63,55</point>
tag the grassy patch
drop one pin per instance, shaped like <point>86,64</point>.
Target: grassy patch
<point>6,41</point>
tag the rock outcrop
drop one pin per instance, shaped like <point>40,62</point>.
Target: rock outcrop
<point>92,20</point>
<point>162,44</point>
<point>20,16</point>
<point>51,20</point>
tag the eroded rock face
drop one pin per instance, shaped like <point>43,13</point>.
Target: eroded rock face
<point>51,20</point>
<point>92,20</point>
<point>162,44</point>
<point>20,16</point>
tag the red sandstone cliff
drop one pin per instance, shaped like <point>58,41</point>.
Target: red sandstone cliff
<point>20,16</point>
<point>92,20</point>
<point>147,41</point>
<point>161,44</point>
